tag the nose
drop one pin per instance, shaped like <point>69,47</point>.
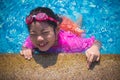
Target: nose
<point>40,38</point>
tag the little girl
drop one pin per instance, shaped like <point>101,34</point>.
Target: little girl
<point>54,34</point>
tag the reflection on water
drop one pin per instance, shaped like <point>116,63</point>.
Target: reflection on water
<point>100,18</point>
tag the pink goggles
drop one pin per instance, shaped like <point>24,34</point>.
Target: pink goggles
<point>39,17</point>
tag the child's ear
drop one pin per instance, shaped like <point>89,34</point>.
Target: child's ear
<point>57,29</point>
<point>56,32</point>
<point>58,23</point>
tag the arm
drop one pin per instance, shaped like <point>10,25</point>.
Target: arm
<point>93,53</point>
<point>27,48</point>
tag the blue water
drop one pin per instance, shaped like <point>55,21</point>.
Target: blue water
<point>100,18</point>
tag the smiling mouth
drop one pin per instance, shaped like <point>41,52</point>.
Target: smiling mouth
<point>42,44</point>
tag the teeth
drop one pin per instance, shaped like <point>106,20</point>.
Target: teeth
<point>42,44</point>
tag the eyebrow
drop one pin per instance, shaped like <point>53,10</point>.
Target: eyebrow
<point>32,31</point>
<point>40,30</point>
<point>44,30</point>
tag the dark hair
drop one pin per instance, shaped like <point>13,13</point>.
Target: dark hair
<point>49,12</point>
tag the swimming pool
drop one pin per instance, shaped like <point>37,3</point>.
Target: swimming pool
<point>100,18</point>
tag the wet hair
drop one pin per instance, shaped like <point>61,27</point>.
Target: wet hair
<point>49,12</point>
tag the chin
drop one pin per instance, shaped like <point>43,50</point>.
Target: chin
<point>43,49</point>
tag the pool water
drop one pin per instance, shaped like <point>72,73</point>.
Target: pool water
<point>101,18</point>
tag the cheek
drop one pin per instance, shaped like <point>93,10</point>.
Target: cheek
<point>33,39</point>
<point>51,37</point>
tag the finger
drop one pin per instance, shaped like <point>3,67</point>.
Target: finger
<point>88,58</point>
<point>29,54</point>
<point>21,53</point>
<point>88,55</point>
<point>91,58</point>
<point>98,58</point>
<point>94,58</point>
<point>26,54</point>
<point>89,62</point>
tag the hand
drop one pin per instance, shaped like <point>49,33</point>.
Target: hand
<point>27,53</point>
<point>92,54</point>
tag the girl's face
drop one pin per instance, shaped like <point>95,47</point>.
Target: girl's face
<point>42,35</point>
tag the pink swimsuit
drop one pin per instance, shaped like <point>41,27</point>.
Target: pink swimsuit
<point>67,42</point>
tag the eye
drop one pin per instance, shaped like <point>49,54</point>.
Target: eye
<point>33,34</point>
<point>45,32</point>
